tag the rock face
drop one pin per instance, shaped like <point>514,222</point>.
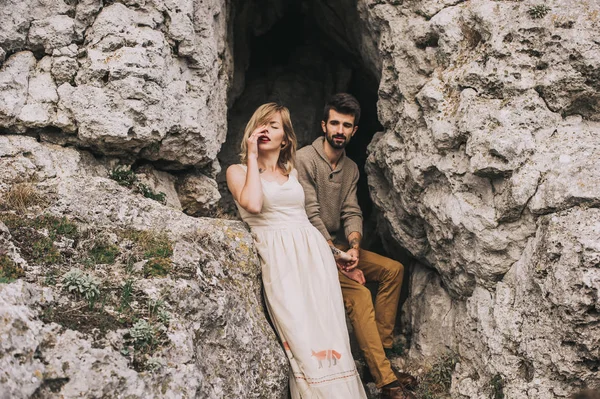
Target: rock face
<point>487,173</point>
<point>191,319</point>
<point>115,77</point>
<point>140,80</point>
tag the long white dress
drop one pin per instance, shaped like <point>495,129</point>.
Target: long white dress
<point>303,295</point>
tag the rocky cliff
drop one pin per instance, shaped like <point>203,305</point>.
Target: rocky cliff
<point>485,170</point>
<point>120,296</point>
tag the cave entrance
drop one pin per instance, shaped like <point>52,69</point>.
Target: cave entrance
<point>299,54</point>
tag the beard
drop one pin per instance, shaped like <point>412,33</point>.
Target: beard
<point>334,144</point>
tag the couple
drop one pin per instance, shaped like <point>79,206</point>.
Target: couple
<point>295,208</point>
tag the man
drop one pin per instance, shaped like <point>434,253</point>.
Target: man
<point>329,179</point>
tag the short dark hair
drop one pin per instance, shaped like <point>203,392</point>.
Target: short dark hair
<point>343,103</point>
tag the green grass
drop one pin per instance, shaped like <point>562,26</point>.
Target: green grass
<point>56,226</point>
<point>148,193</point>
<point>126,295</point>
<point>35,237</point>
<point>157,267</point>
<point>44,251</point>
<point>149,244</point>
<point>127,178</point>
<point>103,253</point>
<point>9,270</point>
<point>154,247</point>
<point>123,175</point>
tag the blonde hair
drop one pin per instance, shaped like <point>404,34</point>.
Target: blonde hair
<point>261,116</point>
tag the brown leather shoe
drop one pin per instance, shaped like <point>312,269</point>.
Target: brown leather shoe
<point>396,393</point>
<point>406,380</point>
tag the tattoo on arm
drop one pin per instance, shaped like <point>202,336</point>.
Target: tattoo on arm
<point>336,252</point>
<point>355,243</point>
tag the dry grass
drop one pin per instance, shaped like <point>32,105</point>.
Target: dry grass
<point>435,378</point>
<point>22,196</point>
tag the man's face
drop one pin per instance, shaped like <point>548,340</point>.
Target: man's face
<point>338,129</point>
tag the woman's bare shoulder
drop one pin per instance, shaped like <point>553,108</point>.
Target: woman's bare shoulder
<point>236,169</point>
<point>236,174</point>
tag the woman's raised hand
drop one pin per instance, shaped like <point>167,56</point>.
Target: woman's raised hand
<point>253,141</point>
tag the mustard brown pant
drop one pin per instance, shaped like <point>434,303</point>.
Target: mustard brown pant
<point>374,325</point>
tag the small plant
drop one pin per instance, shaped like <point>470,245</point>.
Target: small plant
<point>157,308</point>
<point>497,384</point>
<point>126,177</point>
<point>61,226</point>
<point>154,363</point>
<point>127,294</point>
<point>22,196</point>
<point>142,334</point>
<point>83,285</point>
<point>148,193</point>
<point>150,244</point>
<point>442,370</point>
<point>123,175</point>
<point>9,270</point>
<point>437,381</point>
<point>157,267</point>
<point>50,277</point>
<point>102,253</point>
<point>44,251</point>
<point>539,11</point>
<point>164,316</point>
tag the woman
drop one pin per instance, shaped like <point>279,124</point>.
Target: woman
<point>299,273</point>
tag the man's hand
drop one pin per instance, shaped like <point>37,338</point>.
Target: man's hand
<point>356,275</point>
<point>355,254</point>
<point>342,259</point>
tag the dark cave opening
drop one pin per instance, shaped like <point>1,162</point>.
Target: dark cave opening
<point>299,64</point>
<point>299,53</point>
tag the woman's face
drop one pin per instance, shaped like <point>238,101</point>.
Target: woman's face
<point>274,136</point>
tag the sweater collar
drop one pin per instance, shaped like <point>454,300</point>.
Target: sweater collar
<point>318,145</point>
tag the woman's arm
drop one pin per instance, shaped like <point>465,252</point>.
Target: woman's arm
<point>246,187</point>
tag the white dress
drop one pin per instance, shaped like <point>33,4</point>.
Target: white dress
<point>303,295</point>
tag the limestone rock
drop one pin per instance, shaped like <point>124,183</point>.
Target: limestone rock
<point>198,194</point>
<point>487,161</point>
<point>14,78</point>
<point>26,160</point>
<point>17,17</point>
<point>134,85</point>
<point>52,32</point>
<point>430,314</point>
<point>159,182</point>
<point>214,321</point>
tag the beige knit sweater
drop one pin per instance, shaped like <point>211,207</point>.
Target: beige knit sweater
<point>331,201</point>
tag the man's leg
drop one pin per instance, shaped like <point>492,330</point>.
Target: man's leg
<point>389,274</point>
<point>359,305</point>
